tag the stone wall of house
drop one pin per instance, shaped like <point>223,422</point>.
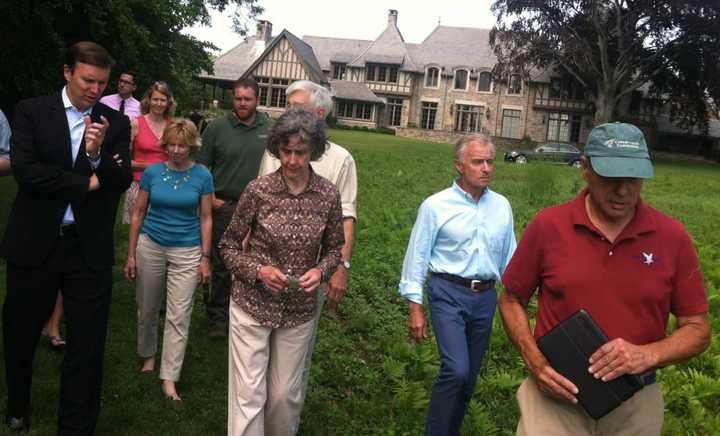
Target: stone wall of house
<point>493,103</point>
<point>538,120</point>
<point>533,122</point>
<point>439,136</point>
<point>359,123</point>
<point>450,137</point>
<point>446,97</point>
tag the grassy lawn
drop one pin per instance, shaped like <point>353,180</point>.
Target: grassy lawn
<point>367,378</point>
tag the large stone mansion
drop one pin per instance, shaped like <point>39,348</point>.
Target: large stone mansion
<point>435,90</point>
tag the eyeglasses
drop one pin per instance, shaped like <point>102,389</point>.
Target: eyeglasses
<point>125,82</point>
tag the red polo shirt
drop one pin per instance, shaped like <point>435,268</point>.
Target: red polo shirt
<point>629,287</point>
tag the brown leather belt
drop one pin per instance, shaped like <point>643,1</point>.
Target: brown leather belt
<point>472,284</point>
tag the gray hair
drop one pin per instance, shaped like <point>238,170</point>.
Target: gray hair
<point>298,121</point>
<point>463,142</point>
<point>320,97</point>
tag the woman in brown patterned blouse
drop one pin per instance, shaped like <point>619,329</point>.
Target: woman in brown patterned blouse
<point>294,220</point>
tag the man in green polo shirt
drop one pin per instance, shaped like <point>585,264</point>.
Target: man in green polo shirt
<point>232,147</point>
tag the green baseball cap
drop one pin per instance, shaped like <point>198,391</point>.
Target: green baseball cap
<point>619,150</point>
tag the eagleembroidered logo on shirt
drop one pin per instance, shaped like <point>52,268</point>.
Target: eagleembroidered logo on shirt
<point>648,258</point>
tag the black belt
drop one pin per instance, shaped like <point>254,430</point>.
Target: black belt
<point>68,231</point>
<point>475,285</point>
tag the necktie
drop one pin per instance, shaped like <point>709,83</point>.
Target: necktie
<point>122,106</point>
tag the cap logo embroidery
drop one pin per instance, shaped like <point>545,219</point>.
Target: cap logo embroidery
<point>648,258</point>
<point>620,143</point>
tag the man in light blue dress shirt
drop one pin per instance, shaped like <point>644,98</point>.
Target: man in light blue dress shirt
<point>464,237</point>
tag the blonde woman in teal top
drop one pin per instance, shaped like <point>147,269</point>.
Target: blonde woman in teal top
<point>169,248</point>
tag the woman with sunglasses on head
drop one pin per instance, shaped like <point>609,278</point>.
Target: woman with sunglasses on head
<point>157,107</point>
<point>169,248</point>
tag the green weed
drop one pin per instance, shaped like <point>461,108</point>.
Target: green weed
<point>367,378</point>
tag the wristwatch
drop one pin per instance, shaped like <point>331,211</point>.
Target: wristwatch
<point>345,264</point>
<point>93,156</point>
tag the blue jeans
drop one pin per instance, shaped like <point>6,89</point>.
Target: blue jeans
<point>462,322</point>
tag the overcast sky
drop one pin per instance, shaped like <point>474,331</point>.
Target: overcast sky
<point>359,19</point>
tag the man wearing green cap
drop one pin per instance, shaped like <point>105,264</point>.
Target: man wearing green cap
<point>625,263</point>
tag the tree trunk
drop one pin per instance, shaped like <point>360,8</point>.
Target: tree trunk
<point>604,107</point>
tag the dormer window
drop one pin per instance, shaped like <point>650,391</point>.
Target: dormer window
<point>381,73</point>
<point>432,75</point>
<point>484,81</point>
<point>461,79</point>
<point>338,70</point>
<point>370,72</point>
<point>393,75</point>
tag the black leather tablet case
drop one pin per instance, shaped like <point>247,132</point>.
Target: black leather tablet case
<point>568,347</point>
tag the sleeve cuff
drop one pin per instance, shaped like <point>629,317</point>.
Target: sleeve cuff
<point>349,211</point>
<point>411,291</point>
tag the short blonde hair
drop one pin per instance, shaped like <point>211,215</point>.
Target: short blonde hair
<point>164,89</point>
<point>183,129</point>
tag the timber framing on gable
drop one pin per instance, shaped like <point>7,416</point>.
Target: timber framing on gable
<point>287,58</point>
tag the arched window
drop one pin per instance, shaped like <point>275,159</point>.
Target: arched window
<point>432,75</point>
<point>461,79</point>
<point>484,81</point>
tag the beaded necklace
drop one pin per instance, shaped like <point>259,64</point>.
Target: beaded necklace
<point>175,178</point>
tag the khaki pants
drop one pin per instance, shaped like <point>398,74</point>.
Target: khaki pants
<point>265,368</point>
<point>640,415</point>
<point>156,266</point>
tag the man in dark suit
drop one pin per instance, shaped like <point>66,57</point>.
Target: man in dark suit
<point>70,160</point>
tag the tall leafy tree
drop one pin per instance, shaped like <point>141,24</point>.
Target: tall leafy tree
<point>142,35</point>
<point>613,47</point>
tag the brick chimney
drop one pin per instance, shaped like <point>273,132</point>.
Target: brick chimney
<point>264,31</point>
<point>392,17</point>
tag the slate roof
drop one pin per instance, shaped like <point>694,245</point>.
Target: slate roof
<point>447,47</point>
<point>329,50</point>
<point>388,48</point>
<point>353,91</point>
<point>233,63</point>
<point>452,47</point>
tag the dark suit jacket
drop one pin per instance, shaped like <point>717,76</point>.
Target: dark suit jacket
<point>48,181</point>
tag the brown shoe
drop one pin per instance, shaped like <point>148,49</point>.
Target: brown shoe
<point>217,332</point>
